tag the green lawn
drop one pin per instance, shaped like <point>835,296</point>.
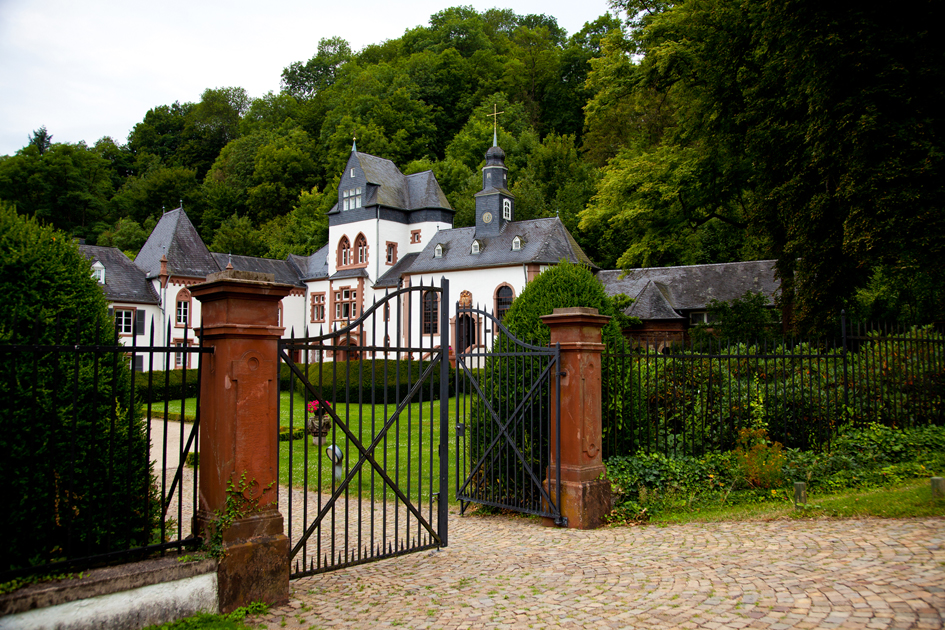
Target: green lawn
<point>909,499</point>
<point>415,432</point>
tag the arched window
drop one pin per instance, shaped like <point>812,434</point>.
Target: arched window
<point>344,252</point>
<point>182,310</point>
<point>361,249</point>
<point>507,209</point>
<point>431,313</point>
<point>503,300</point>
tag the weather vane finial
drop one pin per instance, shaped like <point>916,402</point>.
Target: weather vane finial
<point>354,144</point>
<point>495,124</point>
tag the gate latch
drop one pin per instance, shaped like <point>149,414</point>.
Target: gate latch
<point>460,429</point>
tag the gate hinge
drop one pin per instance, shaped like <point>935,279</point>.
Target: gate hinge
<point>561,521</point>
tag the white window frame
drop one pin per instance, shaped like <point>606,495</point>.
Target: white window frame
<point>182,312</point>
<point>438,251</point>
<point>516,243</point>
<point>125,321</point>
<point>476,247</point>
<point>98,272</point>
<point>507,209</point>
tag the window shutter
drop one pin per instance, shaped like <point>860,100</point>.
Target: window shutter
<point>139,322</point>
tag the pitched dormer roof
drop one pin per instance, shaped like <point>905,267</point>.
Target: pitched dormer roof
<point>124,282</point>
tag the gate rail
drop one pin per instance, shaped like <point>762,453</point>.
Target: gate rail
<point>366,474</point>
<point>504,402</point>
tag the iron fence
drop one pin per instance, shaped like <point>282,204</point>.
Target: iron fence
<point>94,462</point>
<point>693,398</point>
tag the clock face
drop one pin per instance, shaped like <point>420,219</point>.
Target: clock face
<point>487,217</point>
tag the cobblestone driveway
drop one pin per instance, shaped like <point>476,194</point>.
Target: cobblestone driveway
<point>512,573</point>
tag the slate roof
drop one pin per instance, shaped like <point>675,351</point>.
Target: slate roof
<point>360,272</point>
<point>656,289</point>
<point>392,276</point>
<point>546,241</point>
<point>314,267</point>
<point>124,282</point>
<point>281,269</point>
<point>187,255</point>
<point>396,190</point>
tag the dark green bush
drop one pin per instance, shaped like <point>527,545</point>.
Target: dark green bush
<point>75,459</point>
<point>507,379</point>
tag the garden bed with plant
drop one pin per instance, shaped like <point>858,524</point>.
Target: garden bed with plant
<point>760,471</point>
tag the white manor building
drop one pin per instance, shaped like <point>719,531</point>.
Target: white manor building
<point>390,230</point>
<point>387,230</point>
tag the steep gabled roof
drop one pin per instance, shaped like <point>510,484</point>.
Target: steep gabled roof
<point>423,191</point>
<point>391,277</point>
<point>396,190</point>
<point>653,302</point>
<point>124,282</point>
<point>314,267</point>
<point>694,286</point>
<point>283,271</point>
<point>187,255</point>
<point>546,241</point>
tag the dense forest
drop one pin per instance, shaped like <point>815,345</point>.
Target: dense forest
<point>665,133</point>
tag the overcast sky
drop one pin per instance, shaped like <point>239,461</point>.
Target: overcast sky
<point>93,68</point>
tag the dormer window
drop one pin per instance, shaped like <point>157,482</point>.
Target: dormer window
<point>438,251</point>
<point>476,247</point>
<point>98,272</point>
<point>516,243</point>
<point>507,209</point>
<point>351,198</point>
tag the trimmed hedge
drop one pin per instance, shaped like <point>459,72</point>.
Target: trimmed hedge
<point>368,381</point>
<point>165,385</point>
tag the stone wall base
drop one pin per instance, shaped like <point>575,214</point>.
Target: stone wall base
<point>254,570</point>
<point>583,503</point>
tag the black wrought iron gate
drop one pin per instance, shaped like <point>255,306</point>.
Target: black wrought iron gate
<point>364,437</point>
<point>504,401</point>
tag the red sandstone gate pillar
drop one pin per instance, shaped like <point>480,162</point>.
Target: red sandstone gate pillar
<point>584,497</point>
<point>239,394</point>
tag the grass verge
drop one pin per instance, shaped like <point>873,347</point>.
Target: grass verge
<point>906,500</point>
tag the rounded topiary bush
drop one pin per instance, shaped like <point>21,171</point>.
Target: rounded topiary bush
<point>563,286</point>
<point>507,380</point>
<point>75,454</point>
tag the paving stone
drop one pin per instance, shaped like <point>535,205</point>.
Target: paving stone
<point>509,572</point>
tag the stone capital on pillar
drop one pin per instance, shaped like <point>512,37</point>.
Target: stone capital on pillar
<point>585,495</point>
<point>239,392</point>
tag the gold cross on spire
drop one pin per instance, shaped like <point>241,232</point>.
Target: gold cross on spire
<point>495,124</point>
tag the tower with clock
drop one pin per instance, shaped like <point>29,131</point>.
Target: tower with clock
<point>495,205</point>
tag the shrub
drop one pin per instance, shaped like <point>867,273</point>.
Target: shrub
<point>75,456</point>
<point>507,379</point>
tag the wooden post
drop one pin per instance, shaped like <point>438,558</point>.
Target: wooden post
<point>938,487</point>
<point>584,494</point>
<point>238,434</point>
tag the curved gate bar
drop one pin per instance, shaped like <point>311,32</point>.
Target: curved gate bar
<point>502,464</point>
<point>336,518</point>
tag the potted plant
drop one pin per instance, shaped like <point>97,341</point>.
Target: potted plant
<point>318,422</point>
